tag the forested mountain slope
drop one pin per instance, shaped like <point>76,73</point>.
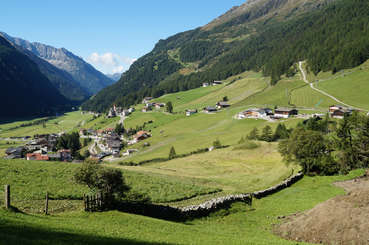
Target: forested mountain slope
<point>262,35</point>
<point>75,73</point>
<point>25,91</point>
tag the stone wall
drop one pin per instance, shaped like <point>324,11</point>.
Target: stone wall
<point>206,208</point>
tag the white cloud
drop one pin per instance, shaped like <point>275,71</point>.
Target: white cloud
<point>110,63</point>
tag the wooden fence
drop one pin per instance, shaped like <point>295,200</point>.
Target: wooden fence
<point>97,202</point>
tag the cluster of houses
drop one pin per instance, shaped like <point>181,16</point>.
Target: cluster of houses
<point>150,105</point>
<point>335,111</point>
<point>41,148</point>
<point>119,111</point>
<point>338,111</point>
<point>107,139</point>
<point>267,113</point>
<point>218,106</point>
<point>214,83</point>
<point>109,142</point>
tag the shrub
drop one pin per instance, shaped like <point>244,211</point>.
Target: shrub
<point>99,179</point>
<point>247,145</point>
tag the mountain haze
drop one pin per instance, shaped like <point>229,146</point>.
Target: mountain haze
<point>115,77</point>
<point>84,74</point>
<point>261,35</point>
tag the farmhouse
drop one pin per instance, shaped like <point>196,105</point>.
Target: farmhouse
<point>147,108</point>
<point>112,113</point>
<point>222,104</point>
<point>126,113</point>
<point>190,112</point>
<point>338,111</point>
<point>210,109</point>
<point>141,135</point>
<point>36,157</point>
<point>113,144</point>
<point>15,152</point>
<point>65,155</point>
<point>159,105</point>
<point>217,83</point>
<point>285,112</point>
<point>147,100</point>
<point>46,142</point>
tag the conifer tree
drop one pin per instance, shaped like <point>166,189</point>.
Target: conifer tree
<point>172,153</point>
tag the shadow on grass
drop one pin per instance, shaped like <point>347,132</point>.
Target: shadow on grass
<point>21,233</point>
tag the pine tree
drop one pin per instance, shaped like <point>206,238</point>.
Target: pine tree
<point>254,134</point>
<point>281,132</point>
<point>172,153</point>
<point>169,107</point>
<point>267,134</point>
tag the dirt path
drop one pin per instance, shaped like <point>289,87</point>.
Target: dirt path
<point>341,220</point>
<point>321,91</point>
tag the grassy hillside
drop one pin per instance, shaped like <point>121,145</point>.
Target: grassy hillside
<point>239,225</point>
<point>232,170</point>
<point>68,122</point>
<point>350,86</point>
<point>236,88</point>
<point>30,180</point>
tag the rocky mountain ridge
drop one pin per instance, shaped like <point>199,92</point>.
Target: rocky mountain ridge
<point>83,73</point>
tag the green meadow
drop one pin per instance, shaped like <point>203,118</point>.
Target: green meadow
<point>30,180</point>
<point>66,123</point>
<point>237,225</point>
<point>350,86</point>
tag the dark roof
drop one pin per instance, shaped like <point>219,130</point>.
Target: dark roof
<point>222,103</point>
<point>210,108</point>
<point>284,109</point>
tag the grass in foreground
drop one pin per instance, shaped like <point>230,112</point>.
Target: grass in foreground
<point>239,225</point>
<point>30,180</point>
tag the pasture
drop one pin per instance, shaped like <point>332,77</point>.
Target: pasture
<point>238,225</point>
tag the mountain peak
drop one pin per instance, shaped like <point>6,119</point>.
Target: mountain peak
<point>83,73</point>
<point>259,9</point>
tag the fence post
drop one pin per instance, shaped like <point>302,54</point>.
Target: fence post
<point>84,201</point>
<point>7,196</point>
<point>91,203</point>
<point>47,204</point>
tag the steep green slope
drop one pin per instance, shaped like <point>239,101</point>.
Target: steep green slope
<point>267,35</point>
<point>25,90</point>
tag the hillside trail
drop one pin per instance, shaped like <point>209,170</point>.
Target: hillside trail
<point>322,92</point>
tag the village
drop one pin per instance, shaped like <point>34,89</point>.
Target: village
<point>108,143</point>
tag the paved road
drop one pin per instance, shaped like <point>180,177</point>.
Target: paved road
<point>322,92</point>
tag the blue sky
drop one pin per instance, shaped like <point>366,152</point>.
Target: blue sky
<point>111,33</point>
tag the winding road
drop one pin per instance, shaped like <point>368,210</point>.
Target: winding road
<point>322,92</point>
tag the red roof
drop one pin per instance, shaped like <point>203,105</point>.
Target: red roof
<point>38,156</point>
